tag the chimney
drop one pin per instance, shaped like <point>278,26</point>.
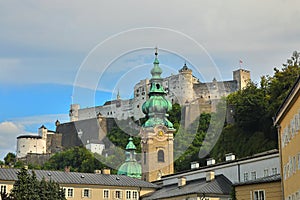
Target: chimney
<point>97,171</point>
<point>229,157</point>
<point>106,171</point>
<point>210,161</point>
<point>181,181</point>
<point>67,168</point>
<point>194,165</point>
<point>210,176</point>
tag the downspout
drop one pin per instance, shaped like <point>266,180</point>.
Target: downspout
<point>278,127</point>
<point>239,173</point>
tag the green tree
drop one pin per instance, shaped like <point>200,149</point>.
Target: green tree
<point>27,187</point>
<point>188,142</point>
<point>250,106</point>
<point>79,159</point>
<point>10,159</point>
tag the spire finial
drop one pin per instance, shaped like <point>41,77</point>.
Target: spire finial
<point>118,95</point>
<point>156,51</point>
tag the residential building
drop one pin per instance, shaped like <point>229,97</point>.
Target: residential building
<point>287,121</point>
<point>212,187</point>
<point>78,186</point>
<point>236,170</point>
<point>268,187</point>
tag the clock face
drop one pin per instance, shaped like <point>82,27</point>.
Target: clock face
<point>160,133</point>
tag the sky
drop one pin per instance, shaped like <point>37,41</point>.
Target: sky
<point>54,53</point>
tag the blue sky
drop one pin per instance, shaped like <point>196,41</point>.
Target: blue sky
<point>54,51</point>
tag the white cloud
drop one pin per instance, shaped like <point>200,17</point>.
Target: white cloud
<point>8,134</point>
<point>262,33</point>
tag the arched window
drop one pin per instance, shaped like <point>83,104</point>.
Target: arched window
<point>160,156</point>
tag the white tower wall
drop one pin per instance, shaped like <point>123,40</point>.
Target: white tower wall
<point>30,144</point>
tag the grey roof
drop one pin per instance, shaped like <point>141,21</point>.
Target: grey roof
<point>218,187</point>
<point>267,179</point>
<point>79,178</point>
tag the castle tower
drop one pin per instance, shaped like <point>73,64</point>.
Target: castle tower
<point>73,113</point>
<point>43,132</point>
<point>157,132</point>
<point>242,77</point>
<point>186,83</point>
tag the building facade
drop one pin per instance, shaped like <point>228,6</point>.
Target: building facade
<point>78,186</point>
<point>263,188</point>
<point>236,170</point>
<point>287,121</point>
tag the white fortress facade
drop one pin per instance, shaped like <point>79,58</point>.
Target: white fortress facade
<point>183,88</point>
<point>35,144</point>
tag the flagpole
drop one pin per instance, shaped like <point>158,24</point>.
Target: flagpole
<point>240,64</point>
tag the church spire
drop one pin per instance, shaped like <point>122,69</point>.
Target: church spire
<point>156,70</point>
<point>156,107</point>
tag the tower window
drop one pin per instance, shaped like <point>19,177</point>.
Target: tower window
<point>157,86</point>
<point>145,159</point>
<point>160,156</point>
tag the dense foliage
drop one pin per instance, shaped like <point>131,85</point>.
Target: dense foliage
<point>253,109</point>
<point>78,159</point>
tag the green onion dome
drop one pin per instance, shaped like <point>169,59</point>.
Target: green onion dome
<point>130,167</point>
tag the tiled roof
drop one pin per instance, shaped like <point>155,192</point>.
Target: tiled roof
<point>219,186</point>
<point>80,178</point>
<point>267,179</point>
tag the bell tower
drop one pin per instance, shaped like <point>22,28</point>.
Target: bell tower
<point>157,132</point>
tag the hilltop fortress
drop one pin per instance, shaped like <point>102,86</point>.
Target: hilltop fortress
<point>89,126</point>
<point>183,88</point>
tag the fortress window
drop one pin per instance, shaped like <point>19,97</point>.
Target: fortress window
<point>160,156</point>
<point>138,106</point>
<point>137,91</point>
<point>145,159</point>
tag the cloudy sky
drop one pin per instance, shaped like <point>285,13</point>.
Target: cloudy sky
<point>56,52</point>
